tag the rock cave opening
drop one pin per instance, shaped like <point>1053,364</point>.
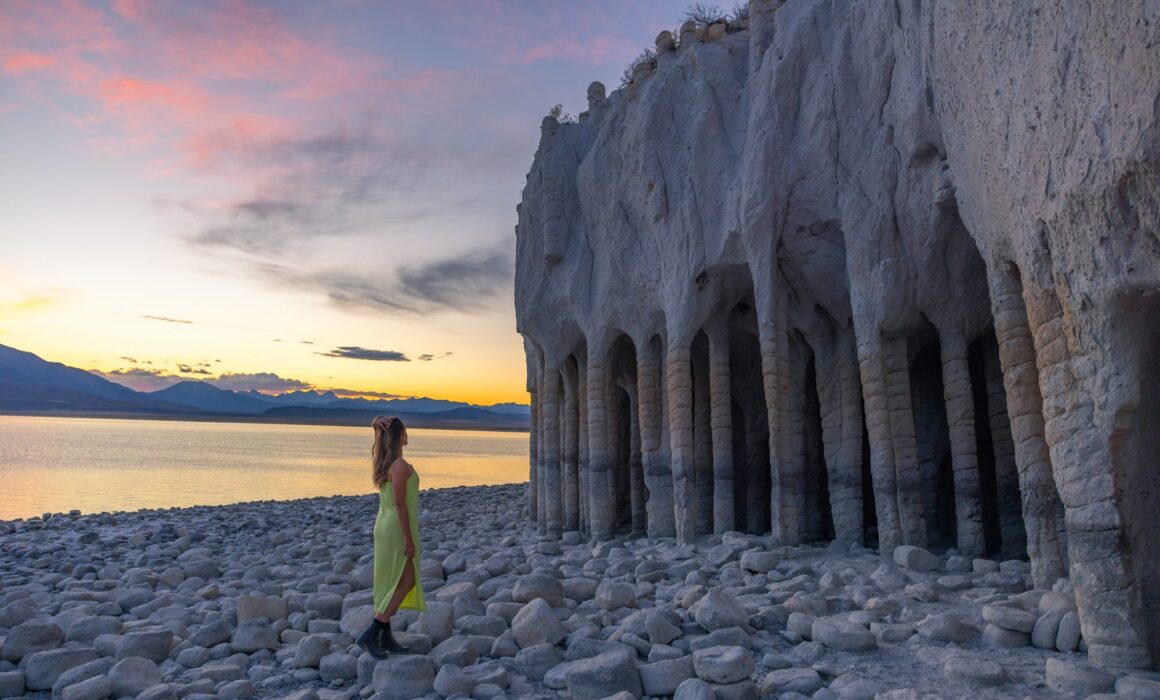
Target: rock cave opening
<point>869,508</point>
<point>703,478</point>
<point>626,481</point>
<point>819,520</point>
<point>1135,454</point>
<point>932,437</point>
<point>751,478</point>
<point>1000,499</point>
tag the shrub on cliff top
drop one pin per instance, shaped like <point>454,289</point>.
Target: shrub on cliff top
<point>704,15</point>
<point>648,56</point>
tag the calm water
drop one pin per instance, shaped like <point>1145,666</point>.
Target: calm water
<point>95,464</point>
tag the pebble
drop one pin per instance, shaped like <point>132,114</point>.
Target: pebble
<point>973,669</point>
<point>1076,678</point>
<point>205,603</point>
<point>1009,618</point>
<point>791,680</point>
<point>133,675</point>
<point>945,627</point>
<point>722,664</point>
<point>915,558</point>
<point>1047,629</point>
<point>718,610</point>
<point>404,677</point>
<point>602,675</point>
<point>94,688</point>
<point>28,637</point>
<point>1067,639</point>
<point>535,623</point>
<point>665,676</point>
<point>841,635</point>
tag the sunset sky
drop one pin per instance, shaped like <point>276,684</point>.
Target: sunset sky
<point>284,194</point>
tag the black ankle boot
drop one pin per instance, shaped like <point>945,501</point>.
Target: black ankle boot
<point>390,643</point>
<point>372,638</point>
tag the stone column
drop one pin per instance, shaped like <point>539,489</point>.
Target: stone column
<point>1012,534</point>
<point>761,30</point>
<point>635,469</point>
<point>1025,411</point>
<point>571,453</point>
<point>845,483</point>
<point>1109,603</point>
<point>534,457</point>
<point>721,423</point>
<point>964,450</point>
<point>599,509</point>
<point>541,456</point>
<point>679,385</point>
<point>702,445</point>
<point>850,456</point>
<point>582,441</point>
<point>793,424</point>
<point>872,369</point>
<point>841,402</point>
<point>617,484</point>
<point>554,505</point>
<point>785,486</point>
<point>908,475</point>
<point>661,520</point>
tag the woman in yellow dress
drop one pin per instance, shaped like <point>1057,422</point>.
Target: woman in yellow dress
<point>396,537</point>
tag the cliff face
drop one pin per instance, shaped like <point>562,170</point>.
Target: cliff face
<point>885,269</point>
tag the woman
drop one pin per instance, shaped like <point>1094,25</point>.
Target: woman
<point>396,537</point>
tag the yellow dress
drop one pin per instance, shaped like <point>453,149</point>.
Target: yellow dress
<point>389,544</point>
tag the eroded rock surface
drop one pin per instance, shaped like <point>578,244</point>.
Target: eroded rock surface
<point>865,272</point>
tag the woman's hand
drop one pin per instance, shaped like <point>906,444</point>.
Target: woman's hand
<point>409,549</point>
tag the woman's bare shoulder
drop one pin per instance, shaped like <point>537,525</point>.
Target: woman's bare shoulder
<point>401,466</point>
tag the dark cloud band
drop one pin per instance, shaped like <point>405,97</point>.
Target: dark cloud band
<point>356,353</point>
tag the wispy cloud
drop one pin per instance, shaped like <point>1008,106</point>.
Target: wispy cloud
<point>267,382</point>
<point>427,357</point>
<point>352,352</point>
<point>356,394</point>
<point>186,369</point>
<point>140,378</point>
<point>32,303</point>
<point>166,319</point>
<point>467,281</point>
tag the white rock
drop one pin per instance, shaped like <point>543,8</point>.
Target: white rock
<point>535,624</point>
<point>722,664</point>
<point>842,635</point>
<point>759,562</point>
<point>133,675</point>
<point>1067,639</point>
<point>663,677</point>
<point>404,677</point>
<point>718,610</point>
<point>611,595</point>
<point>1077,679</point>
<point>791,680</point>
<point>602,675</point>
<point>915,558</point>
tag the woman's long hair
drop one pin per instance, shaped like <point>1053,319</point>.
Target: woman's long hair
<point>387,448</point>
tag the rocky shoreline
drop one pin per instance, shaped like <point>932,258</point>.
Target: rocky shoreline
<point>264,599</point>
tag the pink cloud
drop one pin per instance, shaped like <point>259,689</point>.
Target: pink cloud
<point>17,63</point>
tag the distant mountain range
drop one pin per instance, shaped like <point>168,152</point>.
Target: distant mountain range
<point>29,384</point>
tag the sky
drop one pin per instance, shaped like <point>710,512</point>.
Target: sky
<point>288,194</point>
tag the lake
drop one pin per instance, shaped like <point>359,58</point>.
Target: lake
<point>50,464</point>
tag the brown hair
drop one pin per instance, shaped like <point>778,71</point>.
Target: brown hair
<point>387,447</point>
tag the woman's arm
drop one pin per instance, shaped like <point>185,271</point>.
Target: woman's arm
<point>400,471</point>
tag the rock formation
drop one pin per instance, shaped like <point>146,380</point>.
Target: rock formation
<point>877,272</point>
